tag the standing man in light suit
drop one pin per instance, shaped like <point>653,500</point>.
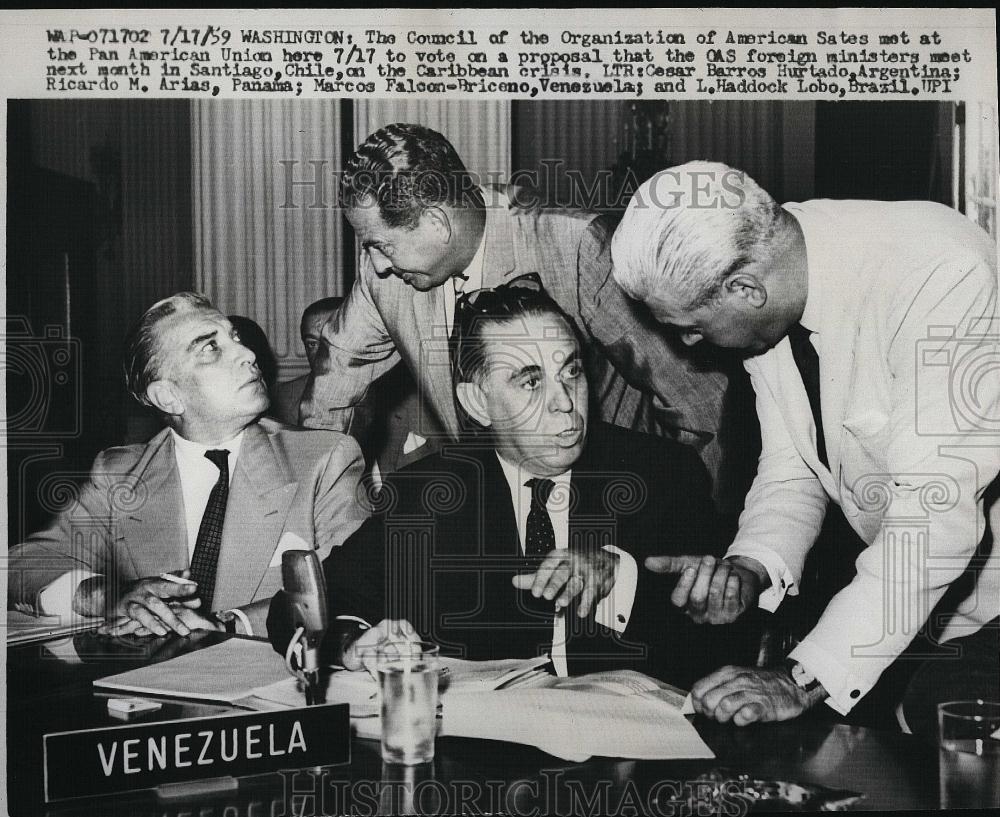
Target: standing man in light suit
<point>870,335</point>
<point>220,493</point>
<point>429,232</point>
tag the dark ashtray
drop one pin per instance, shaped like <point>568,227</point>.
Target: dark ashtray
<point>723,791</point>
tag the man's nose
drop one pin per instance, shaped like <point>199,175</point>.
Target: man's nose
<point>381,264</point>
<point>244,354</point>
<point>561,399</point>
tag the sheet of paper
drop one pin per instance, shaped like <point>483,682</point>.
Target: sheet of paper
<point>224,672</point>
<point>575,725</point>
<point>614,714</point>
<point>360,690</point>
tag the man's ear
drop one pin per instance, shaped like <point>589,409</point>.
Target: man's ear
<point>164,395</point>
<point>439,222</point>
<point>473,400</point>
<point>749,288</point>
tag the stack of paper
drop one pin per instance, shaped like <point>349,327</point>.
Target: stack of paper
<point>611,714</point>
<point>360,690</point>
<point>224,672</point>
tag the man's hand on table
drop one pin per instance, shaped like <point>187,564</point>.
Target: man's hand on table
<point>361,653</point>
<point>713,590</point>
<point>149,606</point>
<point>187,616</point>
<point>566,574</point>
<point>745,695</point>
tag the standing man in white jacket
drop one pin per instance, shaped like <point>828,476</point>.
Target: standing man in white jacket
<point>871,339</point>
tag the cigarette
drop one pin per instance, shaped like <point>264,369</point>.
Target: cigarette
<point>170,577</point>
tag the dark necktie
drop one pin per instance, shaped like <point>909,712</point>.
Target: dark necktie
<point>807,362</point>
<point>539,537</point>
<point>206,549</point>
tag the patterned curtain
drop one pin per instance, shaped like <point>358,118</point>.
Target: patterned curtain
<point>480,131</point>
<point>267,233</point>
<point>772,141</point>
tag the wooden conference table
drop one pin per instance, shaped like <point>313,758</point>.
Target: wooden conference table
<point>48,694</point>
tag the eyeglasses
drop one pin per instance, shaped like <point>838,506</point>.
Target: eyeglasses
<point>491,302</point>
<point>499,300</point>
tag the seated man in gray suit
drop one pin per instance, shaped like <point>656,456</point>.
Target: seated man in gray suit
<point>217,496</point>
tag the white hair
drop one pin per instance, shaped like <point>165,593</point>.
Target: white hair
<point>687,228</point>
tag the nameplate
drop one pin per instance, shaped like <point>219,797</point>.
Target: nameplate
<point>96,762</point>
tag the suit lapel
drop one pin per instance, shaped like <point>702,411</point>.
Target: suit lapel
<point>790,394</point>
<point>260,496</point>
<point>499,536</point>
<point>153,534</point>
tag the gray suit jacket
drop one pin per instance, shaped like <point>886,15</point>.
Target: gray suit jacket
<point>641,379</point>
<point>128,521</point>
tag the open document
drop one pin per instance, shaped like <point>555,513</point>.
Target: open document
<point>609,714</point>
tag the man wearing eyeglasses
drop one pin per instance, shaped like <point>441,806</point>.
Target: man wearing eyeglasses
<point>524,538</point>
<point>429,232</point>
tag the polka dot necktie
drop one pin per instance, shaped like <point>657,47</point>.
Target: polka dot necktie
<point>540,537</point>
<point>206,549</point>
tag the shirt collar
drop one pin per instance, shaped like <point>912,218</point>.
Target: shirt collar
<point>516,476</point>
<point>191,452</point>
<point>812,312</point>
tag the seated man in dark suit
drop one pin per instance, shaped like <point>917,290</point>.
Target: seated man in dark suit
<point>526,538</point>
<point>219,495</point>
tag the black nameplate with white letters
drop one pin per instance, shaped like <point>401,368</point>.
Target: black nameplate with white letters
<point>94,762</point>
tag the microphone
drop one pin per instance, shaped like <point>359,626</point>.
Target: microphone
<point>305,589</point>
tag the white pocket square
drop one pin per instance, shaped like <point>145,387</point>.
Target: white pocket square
<point>288,541</point>
<point>413,442</point>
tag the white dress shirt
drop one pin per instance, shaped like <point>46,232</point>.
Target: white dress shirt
<point>615,609</point>
<point>198,476</point>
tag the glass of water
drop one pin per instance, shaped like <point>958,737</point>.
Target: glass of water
<point>969,754</point>
<point>408,674</point>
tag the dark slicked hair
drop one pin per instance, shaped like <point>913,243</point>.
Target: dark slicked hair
<point>500,305</point>
<point>473,320</point>
<point>405,169</point>
<point>331,304</point>
<point>141,356</point>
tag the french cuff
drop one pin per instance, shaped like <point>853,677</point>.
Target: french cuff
<point>844,688</point>
<point>56,598</point>
<point>782,580</point>
<point>615,609</point>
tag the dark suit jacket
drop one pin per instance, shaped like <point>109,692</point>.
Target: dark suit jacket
<point>443,545</point>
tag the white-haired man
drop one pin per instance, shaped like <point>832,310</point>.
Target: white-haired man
<point>869,332</point>
<point>217,496</point>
